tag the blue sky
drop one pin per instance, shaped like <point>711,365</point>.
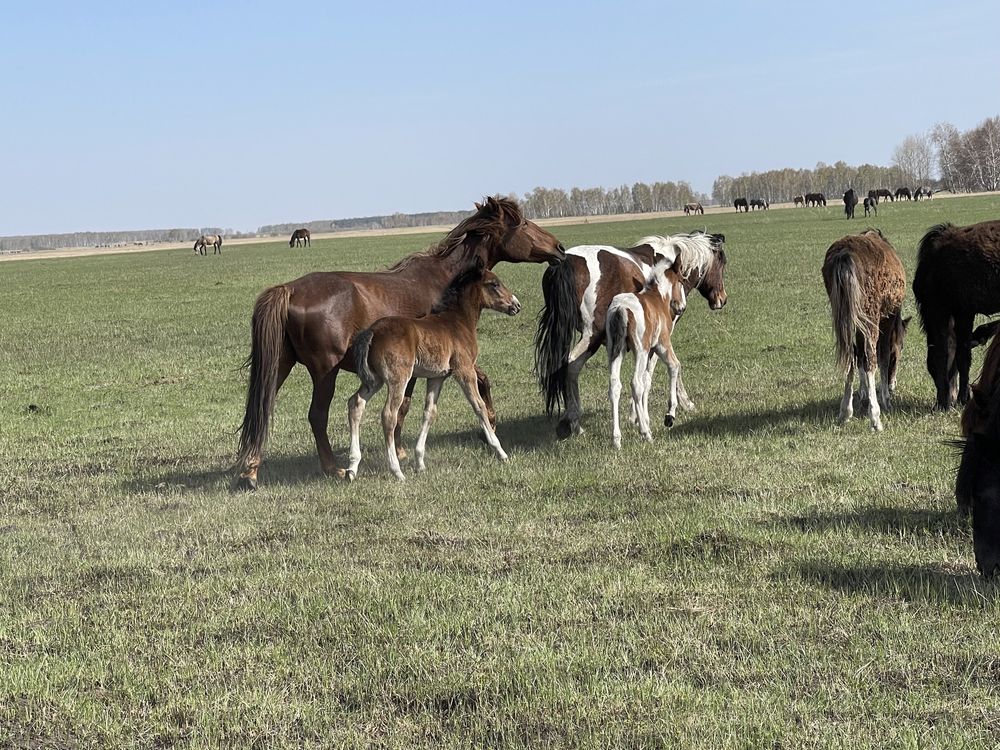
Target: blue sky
<point>143,115</point>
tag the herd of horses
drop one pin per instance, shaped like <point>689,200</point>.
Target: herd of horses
<point>418,319</point>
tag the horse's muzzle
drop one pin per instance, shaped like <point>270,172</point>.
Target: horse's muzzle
<point>514,307</point>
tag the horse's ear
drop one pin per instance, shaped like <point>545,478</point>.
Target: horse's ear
<point>480,264</point>
<point>906,322</point>
<point>478,205</point>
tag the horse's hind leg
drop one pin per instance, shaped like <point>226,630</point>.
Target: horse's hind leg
<point>963,355</point>
<point>939,360</point>
<point>570,423</point>
<point>847,402</point>
<point>355,411</point>
<point>319,415</point>
<point>614,395</point>
<point>430,412</point>
<point>392,403</point>
<point>404,409</point>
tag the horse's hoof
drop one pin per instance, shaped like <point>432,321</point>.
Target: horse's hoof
<point>563,430</point>
<point>668,420</point>
<point>401,454</point>
<point>877,427</point>
<point>400,477</point>
<point>245,484</point>
<point>617,444</point>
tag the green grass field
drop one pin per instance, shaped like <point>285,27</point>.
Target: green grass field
<point>758,577</point>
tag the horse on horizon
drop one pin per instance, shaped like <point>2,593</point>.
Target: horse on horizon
<point>760,203</point>
<point>903,193</point>
<point>394,350</point>
<point>578,292</point>
<point>313,320</point>
<point>300,236</point>
<point>865,282</point>
<point>201,244</point>
<point>957,277</point>
<point>815,199</point>
<point>871,205</point>
<point>693,208</point>
<point>741,203</point>
<point>799,200</point>
<point>850,202</point>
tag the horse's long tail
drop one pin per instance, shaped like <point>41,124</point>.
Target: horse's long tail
<point>922,278</point>
<point>846,302</point>
<point>267,341</point>
<point>557,325</point>
<point>361,344</point>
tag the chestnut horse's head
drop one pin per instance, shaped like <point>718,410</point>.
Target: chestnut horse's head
<point>496,296</point>
<point>507,235</point>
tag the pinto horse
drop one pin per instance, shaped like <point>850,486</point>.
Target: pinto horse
<point>643,323</point>
<point>871,205</point>
<point>760,203</point>
<point>577,294</point>
<point>693,208</point>
<point>395,350</point>
<point>314,319</point>
<point>866,284</point>
<point>850,201</point>
<point>300,236</point>
<point>215,240</point>
<point>977,485</point>
<point>957,277</point>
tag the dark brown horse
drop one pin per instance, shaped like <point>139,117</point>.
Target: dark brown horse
<point>799,200</point>
<point>741,203</point>
<point>850,202</point>
<point>883,194</point>
<point>977,485</point>
<point>579,291</point>
<point>957,277</point>
<point>903,193</point>
<point>300,236</point>
<point>395,350</point>
<point>314,319</point>
<point>866,284</point>
<point>760,203</point>
<point>871,205</point>
<point>815,199</point>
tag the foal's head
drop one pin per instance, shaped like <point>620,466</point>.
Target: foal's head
<point>669,283</point>
<point>479,289</point>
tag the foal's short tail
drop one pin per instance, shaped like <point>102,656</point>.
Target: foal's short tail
<point>616,329</point>
<point>846,302</point>
<point>361,344</point>
<point>267,342</point>
<point>557,325</point>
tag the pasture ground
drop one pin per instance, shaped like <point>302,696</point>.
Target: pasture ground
<point>757,577</point>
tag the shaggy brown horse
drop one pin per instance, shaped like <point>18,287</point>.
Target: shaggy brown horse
<point>865,282</point>
<point>693,208</point>
<point>395,350</point>
<point>977,485</point>
<point>741,203</point>
<point>300,236</point>
<point>577,295</point>
<point>799,200</point>
<point>850,202</point>
<point>215,240</point>
<point>957,277</point>
<point>314,319</point>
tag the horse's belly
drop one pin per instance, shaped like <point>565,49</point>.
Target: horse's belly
<point>431,370</point>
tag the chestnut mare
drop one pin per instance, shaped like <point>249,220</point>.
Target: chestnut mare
<point>866,284</point>
<point>395,350</point>
<point>577,295</point>
<point>977,485</point>
<point>314,319</point>
<point>300,236</point>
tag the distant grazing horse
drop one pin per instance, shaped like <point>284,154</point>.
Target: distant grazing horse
<point>850,201</point>
<point>815,199</point>
<point>957,277</point>
<point>300,236</point>
<point>903,193</point>
<point>871,205</point>
<point>756,203</point>
<point>314,319</point>
<point>397,349</point>
<point>741,203</point>
<point>883,194</point>
<point>866,284</point>
<point>693,208</point>
<point>643,321</point>
<point>977,485</point>
<point>578,292</point>
<point>799,201</point>
<point>215,240</point>
<point>923,192</point>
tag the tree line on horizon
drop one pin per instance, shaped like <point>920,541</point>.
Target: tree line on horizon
<point>966,161</point>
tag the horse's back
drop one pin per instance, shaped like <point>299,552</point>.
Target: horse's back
<point>959,267</point>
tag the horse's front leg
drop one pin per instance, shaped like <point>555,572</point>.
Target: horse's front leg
<point>467,381</point>
<point>486,393</point>
<point>430,412</point>
<point>674,370</point>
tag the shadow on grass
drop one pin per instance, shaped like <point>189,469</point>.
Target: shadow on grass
<point>893,521</point>
<point>958,586</point>
<point>279,470</point>
<point>524,433</point>
<point>815,412</point>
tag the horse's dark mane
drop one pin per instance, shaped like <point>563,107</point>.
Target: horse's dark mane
<point>452,295</point>
<point>489,222</point>
<point>932,236</point>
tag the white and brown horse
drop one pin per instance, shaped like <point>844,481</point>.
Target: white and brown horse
<point>396,349</point>
<point>642,322</point>
<point>577,294</point>
<point>865,282</point>
<point>215,240</point>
